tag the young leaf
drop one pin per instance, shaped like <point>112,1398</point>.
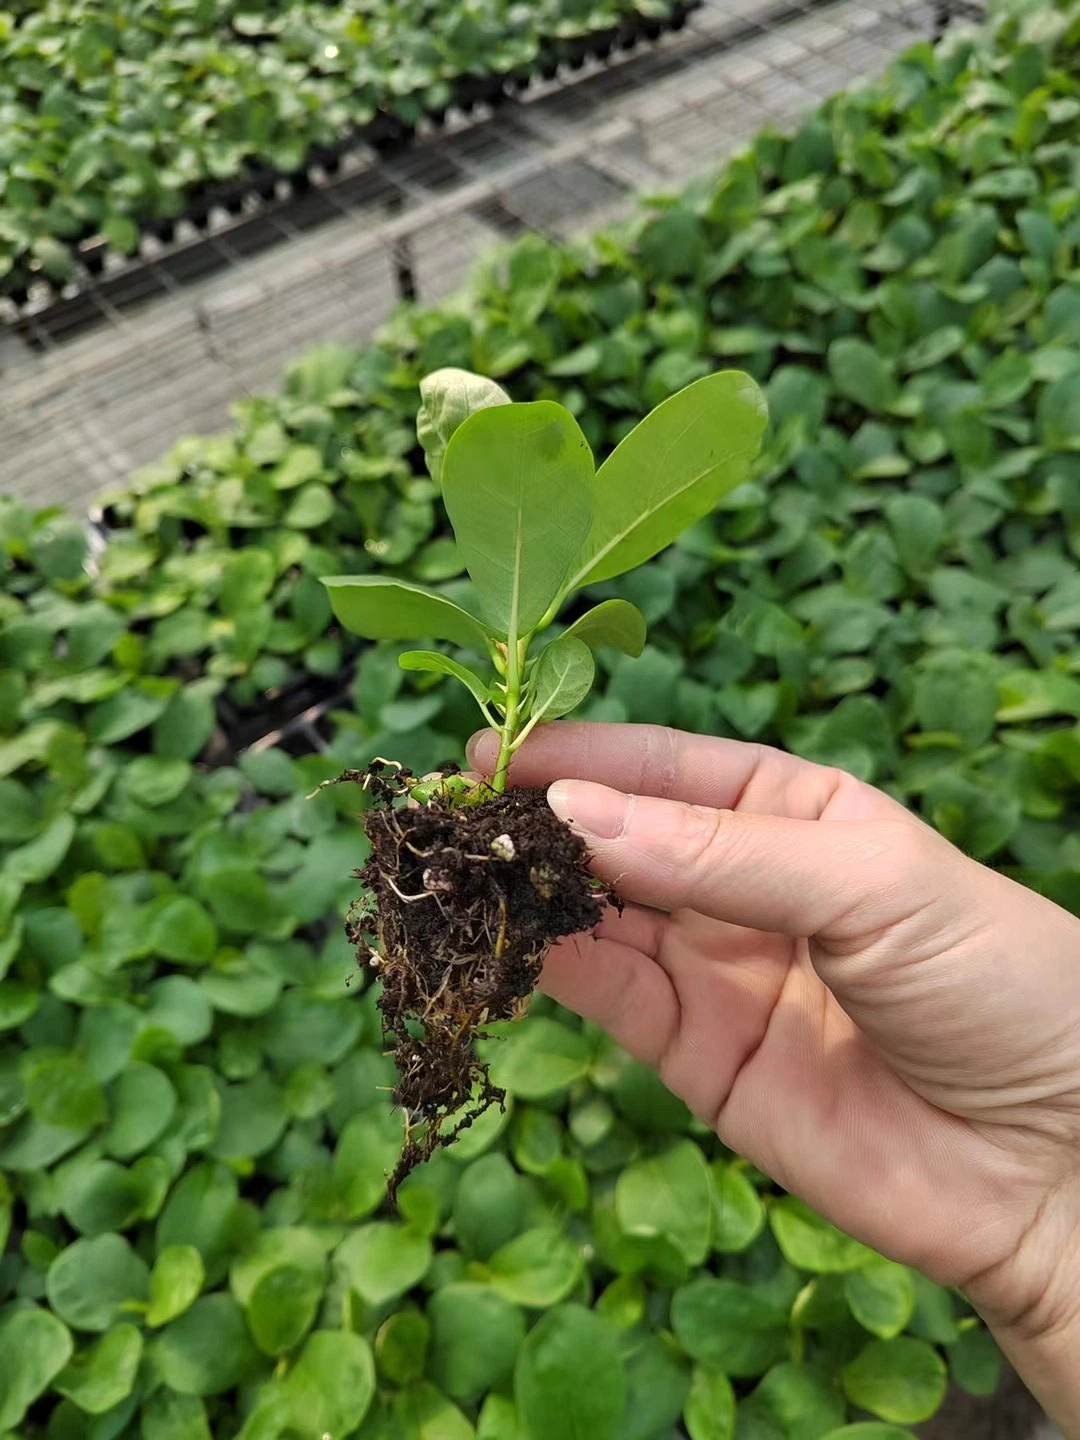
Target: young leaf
<point>431,660</point>
<point>516,483</point>
<point>613,622</point>
<point>563,677</point>
<point>670,471</point>
<point>382,609</point>
<point>449,397</point>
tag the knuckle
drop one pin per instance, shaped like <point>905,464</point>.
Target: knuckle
<point>660,758</point>
<point>703,835</point>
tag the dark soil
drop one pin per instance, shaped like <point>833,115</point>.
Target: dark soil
<point>463,902</point>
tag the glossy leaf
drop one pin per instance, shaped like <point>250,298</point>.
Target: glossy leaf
<point>382,609</point>
<point>616,623</point>
<point>100,1377</point>
<point>570,1379</point>
<point>435,663</point>
<point>34,1347</point>
<point>882,1296</point>
<point>517,481</point>
<point>562,678</point>
<point>669,471</point>
<point>900,1380</point>
<point>669,1194</point>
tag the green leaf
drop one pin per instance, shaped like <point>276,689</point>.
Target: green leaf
<point>570,1382</point>
<point>168,1416</point>
<point>975,1362</point>
<point>537,1057</point>
<point>672,469</point>
<point>423,1413</point>
<point>476,1336</point>
<point>498,1420</point>
<point>435,663</point>
<point>1037,694</point>
<point>563,676</point>
<point>184,931</point>
<point>738,1214</point>
<point>401,1346</point>
<point>489,1205</point>
<point>800,1400</point>
<point>175,1283</point>
<point>869,1430</point>
<point>34,1347</point>
<point>670,1195</point>
<point>329,1389</point>
<point>862,375</point>
<point>367,1151</point>
<point>1059,414</point>
<point>811,1243</point>
<point>253,1117</point>
<point>448,397</point>
<point>131,710</point>
<point>90,1283</point>
<point>284,1305</point>
<point>301,464</point>
<point>538,1268</point>
<point>207,1350</point>
<point>37,860</point>
<point>901,1380</point>
<point>381,609</point>
<point>102,1376</point>
<point>659,1381</point>
<point>709,1412</point>
<point>141,1102</point>
<point>881,1295</point>
<point>311,506</point>
<point>517,481</point>
<point>61,1090</point>
<point>383,1260</point>
<point>201,1211</point>
<point>613,622</point>
<point>730,1326</point>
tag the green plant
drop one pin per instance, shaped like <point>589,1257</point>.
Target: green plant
<point>534,522</point>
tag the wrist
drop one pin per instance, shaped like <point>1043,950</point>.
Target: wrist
<point>1049,1365</point>
<point>1032,1306</point>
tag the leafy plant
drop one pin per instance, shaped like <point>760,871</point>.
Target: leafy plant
<point>534,521</point>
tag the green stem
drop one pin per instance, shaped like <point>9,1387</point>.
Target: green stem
<point>508,730</point>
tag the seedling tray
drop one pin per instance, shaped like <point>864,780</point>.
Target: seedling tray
<point>386,134</point>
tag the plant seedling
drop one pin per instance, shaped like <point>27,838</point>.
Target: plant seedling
<point>469,885</point>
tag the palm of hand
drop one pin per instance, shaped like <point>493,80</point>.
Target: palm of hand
<point>879,1100</point>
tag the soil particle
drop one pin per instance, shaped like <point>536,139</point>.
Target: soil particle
<point>463,902</point>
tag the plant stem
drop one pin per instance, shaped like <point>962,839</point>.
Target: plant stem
<point>508,729</point>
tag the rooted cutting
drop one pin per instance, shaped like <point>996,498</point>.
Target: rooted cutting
<point>466,890</point>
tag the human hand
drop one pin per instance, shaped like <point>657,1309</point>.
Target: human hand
<point>885,1027</point>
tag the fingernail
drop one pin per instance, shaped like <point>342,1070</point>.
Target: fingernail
<point>590,809</point>
<point>482,750</point>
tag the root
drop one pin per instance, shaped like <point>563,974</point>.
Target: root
<point>507,879</point>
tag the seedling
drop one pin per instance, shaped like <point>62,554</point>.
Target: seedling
<point>469,886</point>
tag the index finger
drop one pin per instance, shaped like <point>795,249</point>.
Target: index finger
<point>674,765</point>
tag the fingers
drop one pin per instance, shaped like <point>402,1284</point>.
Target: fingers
<point>619,988</point>
<point>795,877</point>
<point>654,760</point>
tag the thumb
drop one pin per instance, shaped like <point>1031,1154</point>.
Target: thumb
<point>828,879</point>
